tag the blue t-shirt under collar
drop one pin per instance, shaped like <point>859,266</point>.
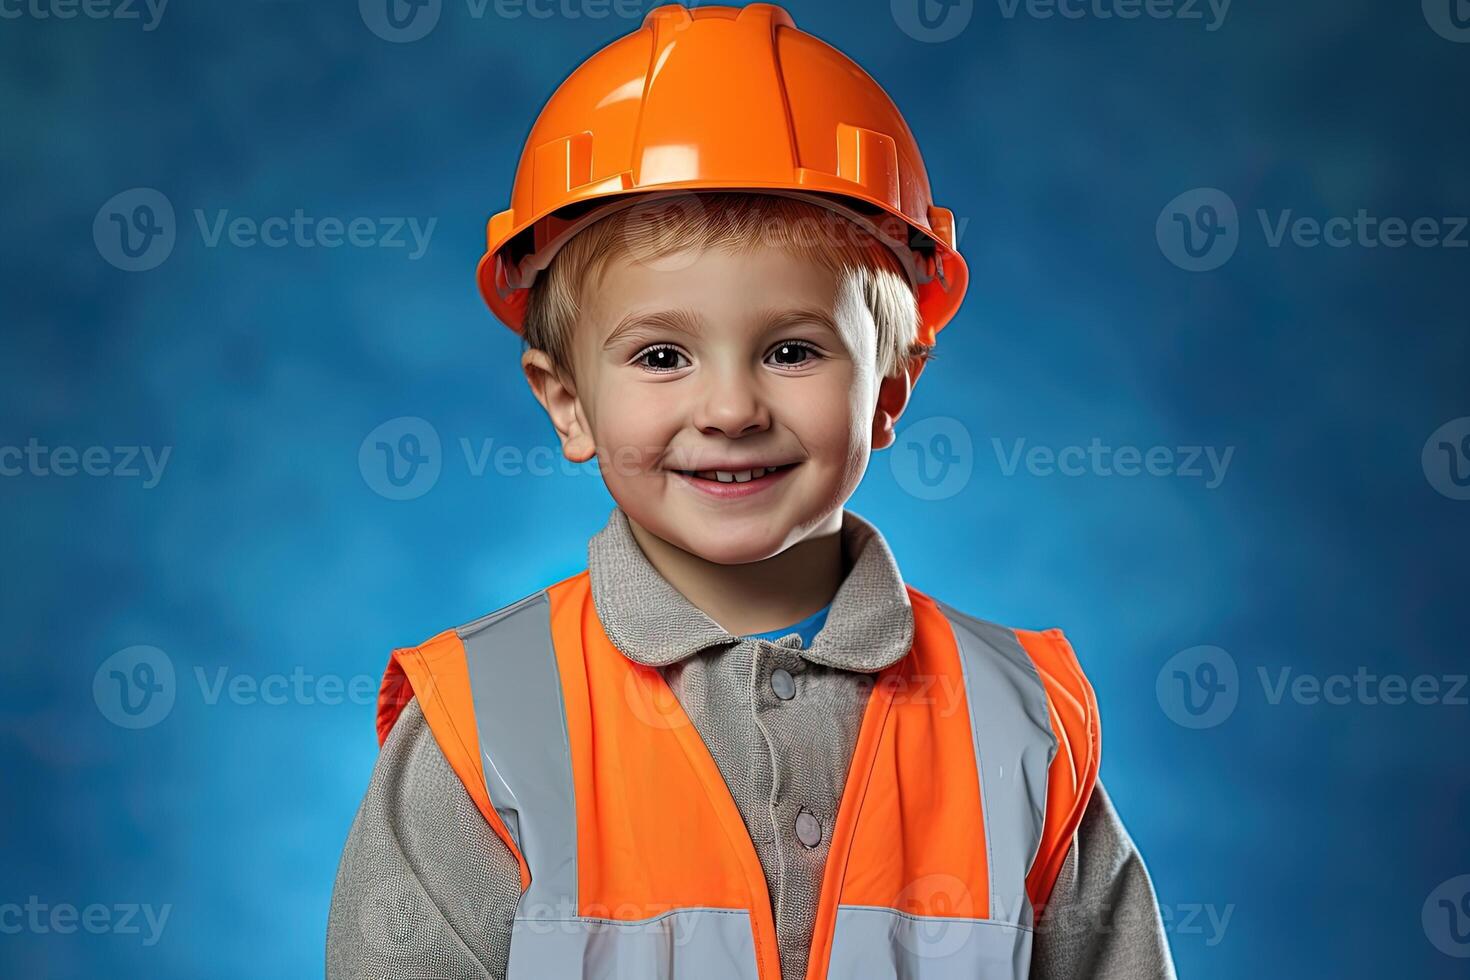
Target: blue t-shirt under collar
<point>808,628</point>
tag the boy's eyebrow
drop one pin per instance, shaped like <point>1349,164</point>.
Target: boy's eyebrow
<point>791,318</point>
<point>693,324</point>
<point>681,320</point>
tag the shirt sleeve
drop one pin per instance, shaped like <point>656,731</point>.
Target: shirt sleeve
<point>425,888</point>
<point>1102,921</point>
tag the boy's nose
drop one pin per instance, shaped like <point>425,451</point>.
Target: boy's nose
<point>731,404</point>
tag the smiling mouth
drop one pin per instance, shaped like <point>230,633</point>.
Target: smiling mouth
<point>735,476</point>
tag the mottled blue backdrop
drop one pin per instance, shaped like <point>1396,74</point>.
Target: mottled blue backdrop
<point>187,401</point>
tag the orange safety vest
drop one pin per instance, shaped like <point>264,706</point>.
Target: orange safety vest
<point>635,862</point>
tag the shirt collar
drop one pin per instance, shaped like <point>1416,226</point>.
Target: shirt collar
<point>870,624</point>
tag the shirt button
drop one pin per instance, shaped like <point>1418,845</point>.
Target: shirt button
<point>783,684</point>
<point>808,830</point>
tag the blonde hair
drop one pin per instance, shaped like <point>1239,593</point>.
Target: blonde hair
<point>734,221</point>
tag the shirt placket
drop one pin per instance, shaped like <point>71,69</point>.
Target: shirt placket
<point>801,807</point>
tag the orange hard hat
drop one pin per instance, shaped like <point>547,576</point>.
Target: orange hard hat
<point>729,99</point>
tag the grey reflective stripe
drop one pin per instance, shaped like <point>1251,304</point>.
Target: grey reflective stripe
<point>695,942</point>
<point>1014,746</point>
<point>521,719</point>
<point>884,944</point>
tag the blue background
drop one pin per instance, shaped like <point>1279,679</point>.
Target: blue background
<point>265,549</point>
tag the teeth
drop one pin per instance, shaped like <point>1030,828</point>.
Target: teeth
<point>734,476</point>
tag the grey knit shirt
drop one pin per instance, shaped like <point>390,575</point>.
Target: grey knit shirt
<point>426,889</point>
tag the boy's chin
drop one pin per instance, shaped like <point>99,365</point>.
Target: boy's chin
<point>736,540</point>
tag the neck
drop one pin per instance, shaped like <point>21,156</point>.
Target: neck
<point>757,596</point>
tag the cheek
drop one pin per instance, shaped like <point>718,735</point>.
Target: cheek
<point>633,427</point>
<point>832,419</point>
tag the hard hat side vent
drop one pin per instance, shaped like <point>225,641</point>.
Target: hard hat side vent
<point>869,160</point>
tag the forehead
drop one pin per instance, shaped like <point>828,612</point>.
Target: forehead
<point>720,289</point>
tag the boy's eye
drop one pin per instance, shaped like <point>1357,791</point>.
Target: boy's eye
<point>793,352</point>
<point>659,358</point>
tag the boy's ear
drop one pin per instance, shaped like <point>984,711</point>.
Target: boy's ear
<point>893,398</point>
<point>558,395</point>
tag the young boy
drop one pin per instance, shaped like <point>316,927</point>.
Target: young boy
<point>738,745</point>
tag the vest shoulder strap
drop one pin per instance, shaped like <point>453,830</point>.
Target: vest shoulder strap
<point>437,673</point>
<point>1072,707</point>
